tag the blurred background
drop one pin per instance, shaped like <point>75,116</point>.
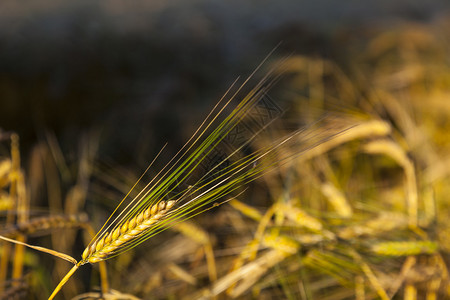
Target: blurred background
<point>122,68</point>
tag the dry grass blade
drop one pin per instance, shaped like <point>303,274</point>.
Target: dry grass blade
<point>111,295</point>
<point>337,200</point>
<point>393,150</point>
<point>245,209</point>
<point>301,218</point>
<point>5,170</point>
<point>249,271</point>
<point>42,249</point>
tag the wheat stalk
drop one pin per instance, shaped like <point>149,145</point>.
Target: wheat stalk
<point>42,224</point>
<point>125,232</point>
<point>147,214</point>
<point>405,248</point>
<point>107,244</point>
<point>159,206</point>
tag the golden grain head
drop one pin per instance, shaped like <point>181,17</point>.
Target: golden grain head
<point>110,242</point>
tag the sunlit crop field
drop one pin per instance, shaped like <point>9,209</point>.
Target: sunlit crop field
<point>356,208</point>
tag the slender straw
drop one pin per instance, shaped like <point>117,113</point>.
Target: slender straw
<point>64,280</point>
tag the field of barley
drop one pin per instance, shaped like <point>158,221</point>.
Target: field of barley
<point>173,154</point>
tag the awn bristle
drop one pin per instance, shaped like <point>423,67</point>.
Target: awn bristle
<point>125,232</point>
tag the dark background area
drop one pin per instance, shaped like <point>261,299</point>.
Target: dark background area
<point>145,72</point>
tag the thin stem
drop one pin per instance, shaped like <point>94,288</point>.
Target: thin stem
<point>64,280</point>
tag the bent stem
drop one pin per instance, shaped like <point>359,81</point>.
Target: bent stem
<point>54,253</point>
<point>64,280</point>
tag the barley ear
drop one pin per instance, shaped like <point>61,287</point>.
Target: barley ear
<point>63,281</point>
